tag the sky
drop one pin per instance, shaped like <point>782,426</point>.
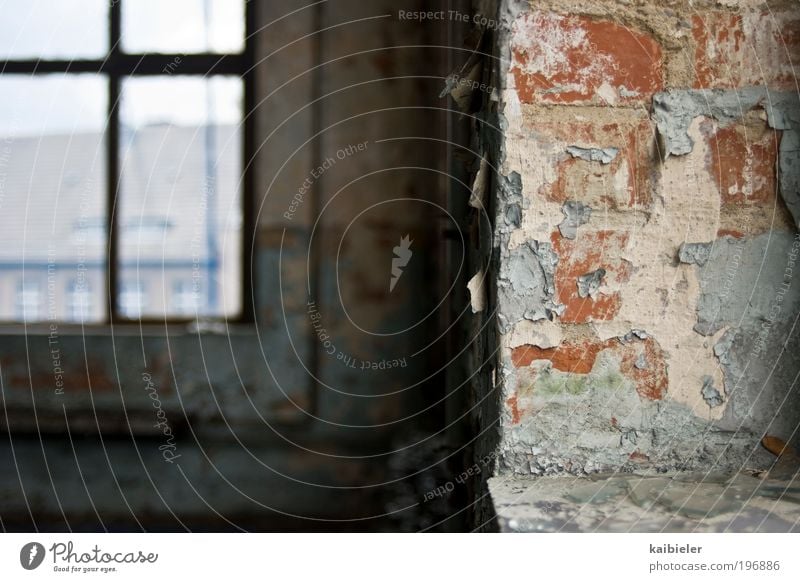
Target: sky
<point>75,29</point>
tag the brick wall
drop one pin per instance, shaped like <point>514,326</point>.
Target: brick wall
<point>645,297</point>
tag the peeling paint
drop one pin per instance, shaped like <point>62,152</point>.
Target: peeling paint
<point>581,357</point>
<point>722,352</point>
<point>751,296</point>
<point>577,59</point>
<point>694,253</point>
<point>602,155</point>
<point>588,414</point>
<point>477,292</point>
<point>480,185</point>
<point>589,390</point>
<point>675,110</point>
<point>761,390</point>
<point>575,214</point>
<point>710,394</point>
<point>513,215</point>
<point>511,188</point>
<point>542,334</point>
<point>758,265</point>
<point>589,284</point>
<point>510,206</point>
<point>526,286</point>
<point>633,335</point>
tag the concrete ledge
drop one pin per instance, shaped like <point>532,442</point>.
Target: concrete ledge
<point>678,502</point>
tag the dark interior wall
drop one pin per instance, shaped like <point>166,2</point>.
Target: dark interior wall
<point>362,125</point>
<point>274,428</point>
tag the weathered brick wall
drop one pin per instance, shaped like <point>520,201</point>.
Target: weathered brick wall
<point>646,233</point>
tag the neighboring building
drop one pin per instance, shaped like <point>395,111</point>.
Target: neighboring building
<point>179,215</point>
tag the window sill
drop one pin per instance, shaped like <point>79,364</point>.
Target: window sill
<point>132,328</point>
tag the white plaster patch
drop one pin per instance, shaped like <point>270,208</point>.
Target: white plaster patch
<point>692,202</point>
<point>661,297</point>
<point>536,160</point>
<point>477,292</point>
<point>621,183</point>
<point>543,334</point>
<point>607,93</point>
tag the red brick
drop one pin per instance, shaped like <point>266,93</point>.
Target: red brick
<point>587,253</point>
<point>575,358</point>
<point>579,358</point>
<point>742,163</point>
<point>651,382</point>
<point>597,184</point>
<point>513,407</point>
<point>755,48</point>
<point>575,59</point>
<point>729,232</point>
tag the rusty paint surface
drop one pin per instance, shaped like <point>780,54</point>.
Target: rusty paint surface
<point>576,59</point>
<point>593,251</point>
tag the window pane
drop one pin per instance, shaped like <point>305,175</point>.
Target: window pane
<point>183,26</point>
<point>80,300</point>
<point>53,29</point>
<point>52,197</point>
<point>180,208</point>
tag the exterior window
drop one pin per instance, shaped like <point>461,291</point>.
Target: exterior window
<point>79,301</point>
<point>132,299</point>
<point>123,143</point>
<point>187,298</point>
<point>28,305</point>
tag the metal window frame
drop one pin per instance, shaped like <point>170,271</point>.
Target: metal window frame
<point>117,66</point>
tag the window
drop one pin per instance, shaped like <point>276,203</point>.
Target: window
<point>28,301</point>
<point>132,299</point>
<point>123,142</point>
<point>186,298</point>
<point>79,301</point>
